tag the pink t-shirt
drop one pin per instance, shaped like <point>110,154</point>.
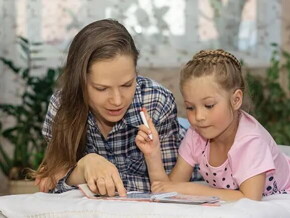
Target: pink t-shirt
<point>253,152</point>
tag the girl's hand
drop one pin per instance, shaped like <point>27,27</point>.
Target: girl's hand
<point>148,146</point>
<point>166,187</point>
<point>101,175</point>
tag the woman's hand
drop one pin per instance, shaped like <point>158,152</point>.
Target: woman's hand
<point>48,183</point>
<point>101,175</point>
<point>148,146</point>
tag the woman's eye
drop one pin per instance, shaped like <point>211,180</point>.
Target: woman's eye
<point>127,85</point>
<point>209,106</point>
<point>100,89</point>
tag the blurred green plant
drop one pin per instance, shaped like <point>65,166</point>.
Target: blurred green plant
<point>25,133</point>
<point>271,102</point>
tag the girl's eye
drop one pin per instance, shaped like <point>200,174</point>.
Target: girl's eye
<point>209,106</point>
<point>189,108</point>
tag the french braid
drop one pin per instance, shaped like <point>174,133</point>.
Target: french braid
<point>216,56</point>
<point>223,65</point>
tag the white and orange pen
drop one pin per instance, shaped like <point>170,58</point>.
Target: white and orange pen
<point>145,122</point>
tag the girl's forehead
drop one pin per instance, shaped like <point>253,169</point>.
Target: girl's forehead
<point>203,87</point>
<point>203,82</point>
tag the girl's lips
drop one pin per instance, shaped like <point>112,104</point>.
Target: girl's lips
<point>203,127</point>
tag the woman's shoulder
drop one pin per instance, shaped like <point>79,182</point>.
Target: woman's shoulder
<point>159,101</point>
<point>55,99</point>
<point>151,86</point>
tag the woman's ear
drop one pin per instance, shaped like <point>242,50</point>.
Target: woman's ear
<point>237,99</point>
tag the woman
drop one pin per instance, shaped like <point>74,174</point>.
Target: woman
<point>93,119</point>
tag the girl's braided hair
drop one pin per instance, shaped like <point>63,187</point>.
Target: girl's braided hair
<point>216,56</point>
<point>223,65</point>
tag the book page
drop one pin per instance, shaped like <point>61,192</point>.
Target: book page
<point>167,197</point>
<point>188,199</point>
<point>131,196</point>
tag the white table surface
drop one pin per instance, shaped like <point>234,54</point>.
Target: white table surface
<point>74,204</point>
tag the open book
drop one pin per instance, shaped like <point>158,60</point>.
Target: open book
<point>166,197</point>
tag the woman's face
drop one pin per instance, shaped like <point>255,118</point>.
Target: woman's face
<point>111,88</point>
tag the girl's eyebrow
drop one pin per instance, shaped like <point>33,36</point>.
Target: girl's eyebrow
<point>207,97</point>
<point>203,99</point>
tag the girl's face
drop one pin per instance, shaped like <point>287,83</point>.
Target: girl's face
<point>208,106</point>
<point>111,88</point>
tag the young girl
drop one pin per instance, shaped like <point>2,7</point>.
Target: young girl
<point>237,157</point>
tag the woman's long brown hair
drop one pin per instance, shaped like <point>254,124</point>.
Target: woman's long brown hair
<point>100,40</point>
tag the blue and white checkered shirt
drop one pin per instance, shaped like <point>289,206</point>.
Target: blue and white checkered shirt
<point>119,147</point>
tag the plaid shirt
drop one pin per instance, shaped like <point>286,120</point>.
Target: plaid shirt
<point>119,147</point>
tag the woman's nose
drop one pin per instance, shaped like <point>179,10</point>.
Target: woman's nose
<point>116,98</point>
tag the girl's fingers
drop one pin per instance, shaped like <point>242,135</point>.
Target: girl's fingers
<point>143,136</point>
<point>140,140</point>
<point>144,129</point>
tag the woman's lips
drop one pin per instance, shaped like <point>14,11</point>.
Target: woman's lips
<point>115,112</point>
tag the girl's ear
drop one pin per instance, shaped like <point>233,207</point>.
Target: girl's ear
<point>237,99</point>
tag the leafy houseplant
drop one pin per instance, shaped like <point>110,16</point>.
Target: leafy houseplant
<point>25,133</point>
<point>272,104</point>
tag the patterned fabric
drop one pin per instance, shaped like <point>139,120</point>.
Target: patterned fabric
<point>119,147</point>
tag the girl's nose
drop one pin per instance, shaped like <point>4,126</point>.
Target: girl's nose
<point>199,115</point>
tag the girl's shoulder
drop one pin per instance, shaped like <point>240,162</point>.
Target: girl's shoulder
<point>194,139</point>
<point>192,147</point>
<point>250,127</point>
<point>251,134</point>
